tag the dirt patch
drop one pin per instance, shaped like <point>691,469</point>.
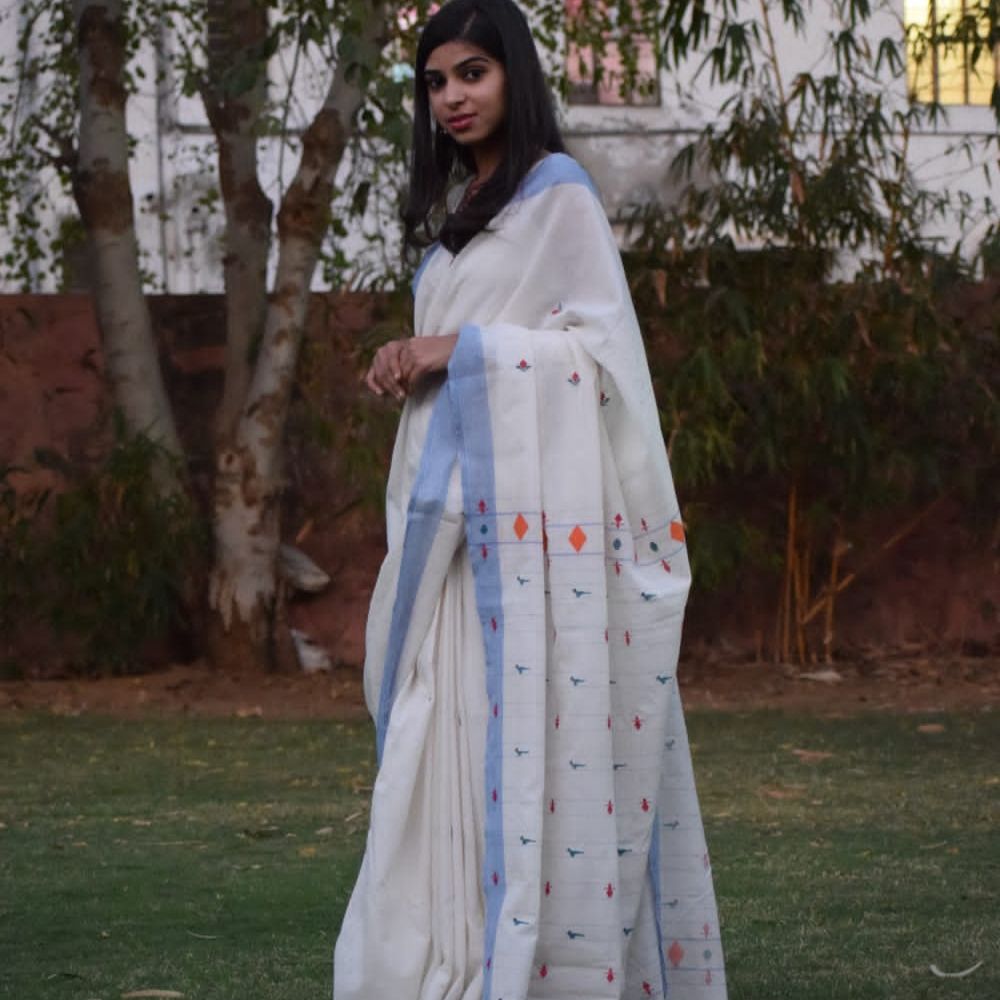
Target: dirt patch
<point>192,690</point>
<point>899,684</point>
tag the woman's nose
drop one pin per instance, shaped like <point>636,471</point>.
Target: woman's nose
<point>454,93</point>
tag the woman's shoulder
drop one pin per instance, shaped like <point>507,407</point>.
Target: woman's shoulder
<point>553,171</point>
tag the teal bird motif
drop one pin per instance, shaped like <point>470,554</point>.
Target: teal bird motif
<point>527,840</point>
<point>573,852</point>
<point>573,935</point>
<point>663,678</point>
<point>519,752</point>
<point>577,592</point>
<point>575,681</point>
<point>576,765</point>
<point>520,669</point>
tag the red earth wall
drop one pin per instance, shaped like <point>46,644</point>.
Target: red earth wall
<point>939,589</point>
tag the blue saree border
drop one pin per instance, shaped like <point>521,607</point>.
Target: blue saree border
<point>654,875</point>
<point>423,517</point>
<point>460,430</point>
<point>555,169</point>
<point>470,396</point>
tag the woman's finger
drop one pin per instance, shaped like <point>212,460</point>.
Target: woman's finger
<point>396,359</point>
<point>388,371</point>
<point>407,362</point>
<point>372,383</point>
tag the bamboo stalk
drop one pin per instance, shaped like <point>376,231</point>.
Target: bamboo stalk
<point>778,622</point>
<point>803,574</point>
<point>820,603</point>
<point>790,546</point>
<point>838,549</point>
<point>797,597</point>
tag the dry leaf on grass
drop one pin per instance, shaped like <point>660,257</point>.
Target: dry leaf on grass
<point>262,832</point>
<point>930,727</point>
<point>774,792</point>
<point>811,756</point>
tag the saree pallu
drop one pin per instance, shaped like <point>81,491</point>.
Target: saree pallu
<point>535,830</point>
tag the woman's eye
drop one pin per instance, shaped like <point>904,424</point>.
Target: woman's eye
<point>472,74</point>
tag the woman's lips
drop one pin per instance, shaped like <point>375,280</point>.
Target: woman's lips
<point>460,122</point>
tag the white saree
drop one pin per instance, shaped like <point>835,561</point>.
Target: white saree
<point>535,830</point>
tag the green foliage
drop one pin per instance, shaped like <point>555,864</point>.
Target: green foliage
<point>104,561</point>
<point>865,392</point>
<point>39,117</point>
<point>812,347</point>
<point>352,430</point>
<point>120,553</point>
<point>35,148</point>
<point>862,395</point>
<point>19,512</point>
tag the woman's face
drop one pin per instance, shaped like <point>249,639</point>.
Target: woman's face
<point>467,89</point>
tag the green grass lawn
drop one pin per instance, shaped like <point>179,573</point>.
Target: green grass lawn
<point>215,858</point>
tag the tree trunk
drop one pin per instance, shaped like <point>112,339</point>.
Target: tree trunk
<point>249,474</point>
<point>103,195</point>
<point>237,33</point>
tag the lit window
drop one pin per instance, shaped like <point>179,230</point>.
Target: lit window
<point>618,74</point>
<point>949,59</point>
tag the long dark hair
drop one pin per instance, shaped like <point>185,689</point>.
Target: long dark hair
<point>530,129</point>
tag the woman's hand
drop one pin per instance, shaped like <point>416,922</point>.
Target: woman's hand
<point>400,364</point>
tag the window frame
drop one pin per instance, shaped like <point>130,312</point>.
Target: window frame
<point>935,43</point>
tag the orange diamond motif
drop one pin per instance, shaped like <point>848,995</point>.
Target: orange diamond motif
<point>577,538</point>
<point>520,527</point>
<point>677,531</point>
<point>675,954</point>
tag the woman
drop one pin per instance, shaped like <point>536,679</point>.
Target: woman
<point>535,830</point>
